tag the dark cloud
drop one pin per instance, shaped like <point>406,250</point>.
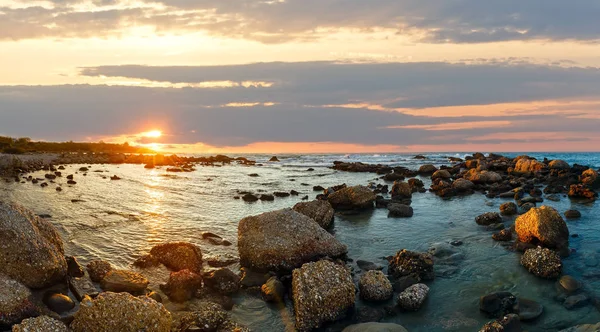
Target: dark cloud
<point>437,21</point>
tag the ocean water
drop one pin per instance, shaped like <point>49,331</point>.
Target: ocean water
<point>119,221</point>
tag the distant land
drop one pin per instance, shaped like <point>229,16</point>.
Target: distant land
<point>10,145</point>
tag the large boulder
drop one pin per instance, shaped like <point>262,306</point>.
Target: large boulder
<point>509,209</point>
<point>322,292</point>
<point>31,250</point>
<point>413,297</point>
<point>319,210</point>
<point>526,165</point>
<point>15,302</point>
<point>590,178</point>
<point>40,324</point>
<point>559,164</point>
<point>482,177</point>
<point>351,198</point>
<point>179,256</point>
<point>427,169</point>
<point>409,263</point>
<point>543,226</point>
<point>375,286</point>
<point>121,312</point>
<point>283,240</point>
<point>441,174</point>
<point>542,262</point>
<point>401,190</point>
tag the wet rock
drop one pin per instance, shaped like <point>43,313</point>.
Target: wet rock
<point>583,328</point>
<point>281,194</point>
<point>489,218</point>
<point>409,263</point>
<point>462,185</point>
<point>249,198</point>
<point>375,327</point>
<point>590,178</point>
<point>206,317</point>
<point>182,285</point>
<point>352,198</point>
<point>427,169</point>
<point>124,281</point>
<point>318,188</point>
<point>74,269</point>
<point>508,323</point>
<point>543,226</point>
<point>146,261</point>
<point>413,297</point>
<point>508,209</point>
<point>121,312</point>
<point>58,303</point>
<point>576,301</point>
<point>71,182</point>
<point>31,250</point>
<point>553,198</point>
<point>569,284</point>
<point>40,324</point>
<point>283,240</point>
<point>580,191</point>
<point>368,266</point>
<point>499,304</point>
<point>542,262</point>
<point>319,210</point>
<point>82,287</point>
<point>397,210</point>
<point>503,236</point>
<point>374,286</point>
<point>98,269</point>
<point>252,278</point>
<point>559,164</point>
<point>274,159</point>
<point>267,198</point>
<point>322,292</point>
<point>402,283</point>
<point>525,165</point>
<point>368,314</point>
<point>178,256</point>
<point>253,175</point>
<point>526,207</point>
<point>441,174</point>
<point>221,261</point>
<point>223,281</point>
<point>529,309</point>
<point>572,214</point>
<point>155,296</point>
<point>15,303</point>
<point>273,290</point>
<point>401,190</point>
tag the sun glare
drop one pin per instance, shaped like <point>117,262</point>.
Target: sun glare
<point>153,133</point>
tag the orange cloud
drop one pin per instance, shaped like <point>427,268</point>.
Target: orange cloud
<point>456,125</point>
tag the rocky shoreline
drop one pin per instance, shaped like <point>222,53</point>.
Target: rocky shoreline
<point>291,256</point>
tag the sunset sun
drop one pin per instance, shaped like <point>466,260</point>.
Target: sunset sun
<point>153,133</point>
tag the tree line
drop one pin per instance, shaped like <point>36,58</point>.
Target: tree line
<point>22,145</point>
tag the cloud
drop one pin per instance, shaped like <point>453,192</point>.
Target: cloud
<point>276,21</point>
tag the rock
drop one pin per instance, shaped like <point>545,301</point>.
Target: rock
<point>413,297</point>
<point>74,269</point>
<point>499,304</point>
<point>223,281</point>
<point>409,263</point>
<point>529,309</point>
<point>283,240</point>
<point>322,292</point>
<point>318,188</point>
<point>572,214</point>
<point>40,324</point>
<point>542,262</point>
<point>15,302</point>
<point>71,182</point>
<point>253,175</point>
<point>319,210</point>
<point>281,194</point>
<point>559,164</point>
<point>178,256</point>
<point>508,323</point>
<point>121,312</point>
<point>267,198</point>
<point>114,177</point>
<point>82,287</point>
<point>401,190</point>
<point>526,207</point>
<point>252,278</point>
<point>590,178</point>
<point>31,250</point>
<point>579,191</point>
<point>508,209</point>
<point>375,327</point>
<point>58,303</point>
<point>369,314</point>
<point>124,281</point>
<point>402,283</point>
<point>351,198</point>
<point>489,218</point>
<point>441,174</point>
<point>525,165</point>
<point>182,285</point>
<point>205,316</point>
<point>146,261</point>
<point>427,169</point>
<point>576,301</point>
<point>98,269</point>
<point>274,159</point>
<point>482,177</point>
<point>462,185</point>
<point>503,236</point>
<point>419,156</point>
<point>368,266</point>
<point>249,198</point>
<point>569,284</point>
<point>374,286</point>
<point>553,198</point>
<point>273,290</point>
<point>583,328</point>
<point>543,226</point>
<point>398,210</point>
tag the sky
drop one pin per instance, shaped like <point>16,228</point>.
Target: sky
<point>304,76</point>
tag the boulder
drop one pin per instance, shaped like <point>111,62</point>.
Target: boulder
<point>489,218</point>
<point>462,185</point>
<point>205,316</point>
<point>121,312</point>
<point>427,169</point>
<point>398,210</point>
<point>559,164</point>
<point>179,256</point>
<point>375,327</point>
<point>580,191</point>
<point>319,210</point>
<point>543,226</point>
<point>529,309</point>
<point>15,302</point>
<point>409,263</point>
<point>568,284</point>
<point>58,303</point>
<point>351,198</point>
<point>525,165</point>
<point>441,174</point>
<point>413,297</point>
<point>31,250</point>
<point>124,281</point>
<point>182,285</point>
<point>503,236</point>
<point>499,304</point>
<point>482,177</point>
<point>508,323</point>
<point>98,269</point>
<point>74,269</point>
<point>509,209</point>
<point>374,286</point>
<point>40,324</point>
<point>401,190</point>
<point>322,292</point>
<point>223,281</point>
<point>283,240</point>
<point>542,262</point>
<point>274,159</point>
<point>590,178</point>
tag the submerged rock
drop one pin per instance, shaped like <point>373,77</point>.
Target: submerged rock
<point>529,309</point>
<point>397,210</point>
<point>322,291</point>
<point>508,323</point>
<point>572,214</point>
<point>31,250</point>
<point>40,324</point>
<point>121,312</point>
<point>409,263</point>
<point>499,304</point>
<point>375,286</point>
<point>413,297</point>
<point>543,226</point>
<point>352,198</point>
<point>179,256</point>
<point>223,281</point>
<point>576,301</point>
<point>319,210</point>
<point>569,284</point>
<point>15,303</point>
<point>542,262</point>
<point>283,240</point>
<point>182,285</point>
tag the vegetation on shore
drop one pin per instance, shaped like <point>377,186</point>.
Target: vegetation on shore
<point>23,145</point>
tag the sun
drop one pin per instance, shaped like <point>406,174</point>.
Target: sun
<point>153,133</point>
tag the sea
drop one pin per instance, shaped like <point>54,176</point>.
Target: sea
<point>118,221</point>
